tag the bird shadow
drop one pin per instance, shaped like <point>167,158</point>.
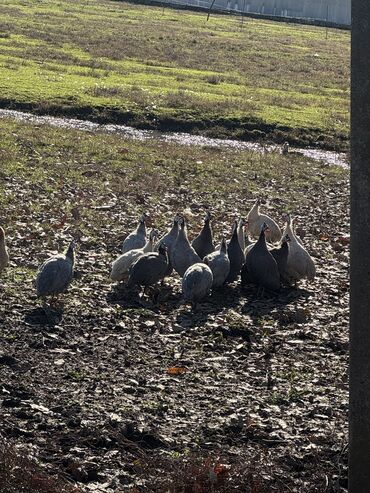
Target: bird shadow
<point>156,299</point>
<point>257,306</point>
<point>44,316</point>
<point>167,300</point>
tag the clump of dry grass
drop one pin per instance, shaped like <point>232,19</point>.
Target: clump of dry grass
<point>209,474</point>
<point>19,474</point>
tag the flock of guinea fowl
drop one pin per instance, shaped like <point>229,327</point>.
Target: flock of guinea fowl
<point>272,260</point>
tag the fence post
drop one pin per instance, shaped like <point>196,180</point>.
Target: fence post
<point>359,413</point>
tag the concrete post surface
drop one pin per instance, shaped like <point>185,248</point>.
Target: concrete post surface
<point>359,419</point>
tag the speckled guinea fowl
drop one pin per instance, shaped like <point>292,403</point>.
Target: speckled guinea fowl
<point>169,239</point>
<point>219,264</point>
<point>203,243</point>
<point>149,269</point>
<point>197,283</point>
<point>235,254</point>
<point>136,239</point>
<point>260,267</point>
<point>300,265</point>
<point>183,254</point>
<point>4,255</point>
<point>280,255</point>
<point>255,222</point>
<point>56,274</point>
<point>121,266</point>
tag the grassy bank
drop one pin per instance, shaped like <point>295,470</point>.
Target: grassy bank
<point>167,69</point>
<point>262,394</point>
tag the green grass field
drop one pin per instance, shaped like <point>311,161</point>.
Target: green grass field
<point>168,69</point>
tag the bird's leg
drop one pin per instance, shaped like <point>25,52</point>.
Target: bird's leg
<point>260,292</point>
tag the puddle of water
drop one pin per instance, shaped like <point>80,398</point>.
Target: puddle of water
<point>329,157</point>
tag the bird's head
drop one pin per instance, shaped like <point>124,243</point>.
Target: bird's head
<point>143,218</point>
<point>265,228</point>
<point>223,246</point>
<point>70,253</point>
<point>162,249</point>
<point>153,235</point>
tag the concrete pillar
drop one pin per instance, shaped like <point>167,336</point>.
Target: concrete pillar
<point>359,416</point>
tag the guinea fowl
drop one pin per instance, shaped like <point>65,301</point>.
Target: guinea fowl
<point>241,235</point>
<point>56,274</point>
<point>183,254</point>
<point>169,239</point>
<point>300,264</point>
<point>219,264</point>
<point>236,256</point>
<point>137,238</point>
<point>121,266</point>
<point>4,256</point>
<point>197,283</point>
<point>280,255</point>
<point>260,267</point>
<point>203,243</point>
<point>255,222</point>
<point>150,268</point>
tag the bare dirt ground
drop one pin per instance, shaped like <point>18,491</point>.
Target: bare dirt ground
<point>120,394</point>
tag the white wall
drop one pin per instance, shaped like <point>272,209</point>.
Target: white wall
<point>336,11</point>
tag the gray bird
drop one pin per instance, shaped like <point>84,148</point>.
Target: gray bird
<point>235,254</point>
<point>149,269</point>
<point>280,255</point>
<point>169,239</point>
<point>260,267</point>
<point>203,243</point>
<point>137,238</point>
<point>241,235</point>
<point>219,264</point>
<point>183,254</point>
<point>56,274</point>
<point>197,283</point>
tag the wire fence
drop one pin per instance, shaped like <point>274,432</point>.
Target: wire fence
<point>326,12</point>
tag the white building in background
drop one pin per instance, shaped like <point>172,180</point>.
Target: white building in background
<point>332,11</point>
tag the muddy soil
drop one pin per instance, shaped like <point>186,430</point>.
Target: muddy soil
<point>120,393</point>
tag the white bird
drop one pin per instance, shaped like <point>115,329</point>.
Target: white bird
<point>197,283</point>
<point>183,254</point>
<point>256,220</point>
<point>122,265</point>
<point>137,238</point>
<point>219,264</point>
<point>300,265</point>
<point>4,256</point>
<point>56,274</point>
